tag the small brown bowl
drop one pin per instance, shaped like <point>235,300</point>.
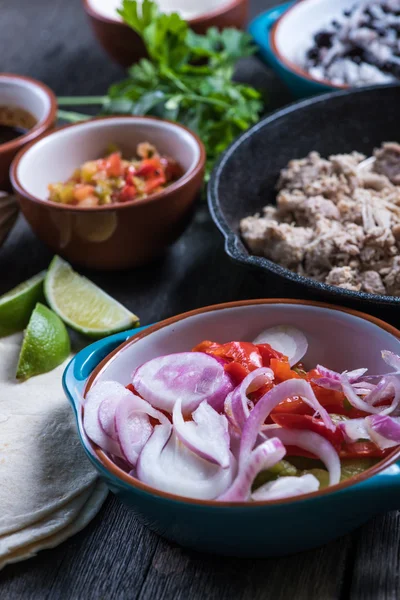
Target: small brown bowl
<point>117,236</point>
<point>17,92</point>
<point>126,47</point>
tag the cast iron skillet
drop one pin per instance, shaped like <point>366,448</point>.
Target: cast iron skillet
<point>244,179</point>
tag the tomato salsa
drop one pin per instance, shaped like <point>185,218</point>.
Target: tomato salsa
<point>115,180</point>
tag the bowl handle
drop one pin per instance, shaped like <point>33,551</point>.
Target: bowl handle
<point>260,28</point>
<point>80,367</point>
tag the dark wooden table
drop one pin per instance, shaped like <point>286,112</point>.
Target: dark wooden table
<point>116,557</point>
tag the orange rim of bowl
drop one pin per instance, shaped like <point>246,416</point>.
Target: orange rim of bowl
<point>291,65</point>
<point>212,14</point>
<point>136,483</point>
<point>177,185</point>
<point>41,126</point>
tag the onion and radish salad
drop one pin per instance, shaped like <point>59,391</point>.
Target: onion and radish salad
<point>245,421</point>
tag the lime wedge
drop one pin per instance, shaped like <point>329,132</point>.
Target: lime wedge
<point>82,305</point>
<point>16,306</point>
<point>46,344</point>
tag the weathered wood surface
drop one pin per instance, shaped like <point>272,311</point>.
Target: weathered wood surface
<point>116,557</point>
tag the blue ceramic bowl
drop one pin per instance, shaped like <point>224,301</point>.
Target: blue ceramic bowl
<point>338,337</point>
<point>282,35</point>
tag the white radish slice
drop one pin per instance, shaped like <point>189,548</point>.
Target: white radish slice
<point>113,392</point>
<point>265,456</point>
<point>207,435</point>
<point>285,339</point>
<point>133,425</point>
<point>168,465</point>
<point>189,376</point>
<point>286,487</point>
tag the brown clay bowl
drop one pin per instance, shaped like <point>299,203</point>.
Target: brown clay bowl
<point>31,95</point>
<point>116,236</point>
<point>126,47</point>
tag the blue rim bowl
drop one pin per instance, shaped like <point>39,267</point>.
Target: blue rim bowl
<point>263,29</point>
<point>338,337</point>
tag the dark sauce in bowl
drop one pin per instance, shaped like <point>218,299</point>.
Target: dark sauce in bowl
<point>14,122</point>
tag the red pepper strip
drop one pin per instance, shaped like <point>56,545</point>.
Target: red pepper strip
<point>153,184</point>
<point>282,370</point>
<point>294,405</point>
<point>113,165</point>
<point>267,352</point>
<point>307,422</point>
<point>237,372</point>
<point>296,451</point>
<point>206,346</point>
<point>363,449</point>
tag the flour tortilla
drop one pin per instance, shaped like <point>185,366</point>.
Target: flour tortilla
<point>42,464</point>
<point>88,512</point>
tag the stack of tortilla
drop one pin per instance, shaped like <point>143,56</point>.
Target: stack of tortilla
<point>48,489</point>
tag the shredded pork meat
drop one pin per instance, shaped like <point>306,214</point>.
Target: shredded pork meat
<point>335,221</point>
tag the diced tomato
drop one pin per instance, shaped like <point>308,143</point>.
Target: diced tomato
<point>310,423</point>
<point>127,193</point>
<point>244,353</point>
<point>282,370</point>
<point>258,394</point>
<point>293,405</point>
<point>113,165</point>
<point>267,352</point>
<point>149,167</point>
<point>237,372</point>
<point>363,449</point>
<point>83,191</point>
<point>171,168</point>
<point>154,183</point>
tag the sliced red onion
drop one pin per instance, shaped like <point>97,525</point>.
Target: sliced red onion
<point>354,429</point>
<point>353,376</point>
<point>391,359</point>
<point>168,465</point>
<point>207,435</point>
<point>237,402</point>
<point>114,393</point>
<point>384,430</point>
<point>364,405</point>
<point>288,340</point>
<point>312,442</point>
<point>265,456</point>
<point>133,426</point>
<point>257,417</point>
<point>229,412</point>
<point>190,376</point>
<point>286,487</point>
<point>384,390</point>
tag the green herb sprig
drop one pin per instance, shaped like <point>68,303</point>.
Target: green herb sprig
<point>186,78</point>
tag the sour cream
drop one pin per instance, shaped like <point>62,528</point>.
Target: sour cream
<point>188,9</point>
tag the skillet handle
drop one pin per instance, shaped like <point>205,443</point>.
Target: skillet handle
<point>260,29</point>
<point>80,367</point>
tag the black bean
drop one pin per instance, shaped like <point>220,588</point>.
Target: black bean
<point>323,39</point>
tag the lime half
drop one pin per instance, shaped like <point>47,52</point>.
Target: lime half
<point>46,344</point>
<point>82,305</point>
<point>16,306</point>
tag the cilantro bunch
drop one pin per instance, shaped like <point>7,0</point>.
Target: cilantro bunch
<point>187,78</point>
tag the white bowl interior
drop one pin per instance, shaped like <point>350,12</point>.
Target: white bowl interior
<point>23,94</point>
<point>188,9</point>
<point>296,29</point>
<point>55,157</point>
<point>336,339</point>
